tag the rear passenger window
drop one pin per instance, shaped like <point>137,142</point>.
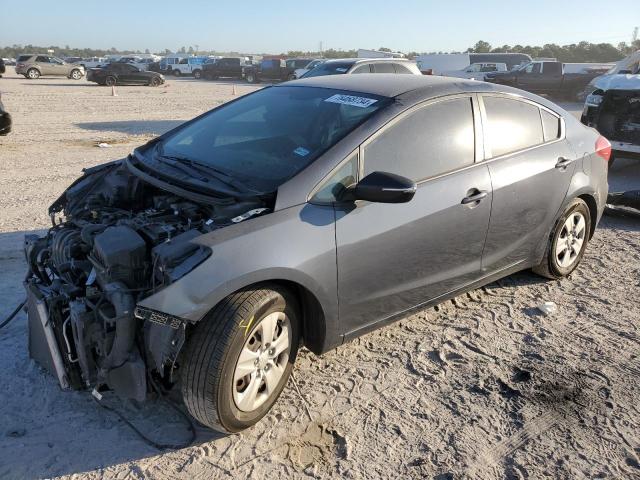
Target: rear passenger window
<point>42,59</point>
<point>401,68</point>
<point>362,69</point>
<point>550,125</point>
<point>383,68</point>
<point>512,125</point>
<point>431,141</point>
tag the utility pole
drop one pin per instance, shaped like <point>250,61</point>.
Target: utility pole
<point>320,49</point>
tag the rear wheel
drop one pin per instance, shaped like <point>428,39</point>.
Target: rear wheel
<point>76,74</point>
<point>567,242</point>
<point>33,73</point>
<point>176,73</point>
<point>110,81</point>
<point>251,78</point>
<point>239,358</point>
<point>197,74</point>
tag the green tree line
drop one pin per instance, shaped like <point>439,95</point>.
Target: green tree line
<point>577,52</point>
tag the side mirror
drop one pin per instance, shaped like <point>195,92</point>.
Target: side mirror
<point>383,187</point>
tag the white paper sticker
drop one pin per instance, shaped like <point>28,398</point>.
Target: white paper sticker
<point>303,152</point>
<point>352,100</point>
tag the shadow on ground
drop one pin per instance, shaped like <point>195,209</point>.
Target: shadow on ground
<point>133,127</point>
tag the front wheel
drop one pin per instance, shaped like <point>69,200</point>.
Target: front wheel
<point>568,241</point>
<point>251,78</point>
<point>155,82</point>
<point>110,81</point>
<point>239,358</point>
<point>197,74</point>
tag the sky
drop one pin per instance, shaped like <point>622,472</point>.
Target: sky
<point>252,26</point>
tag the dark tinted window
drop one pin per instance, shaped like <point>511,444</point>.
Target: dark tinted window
<point>267,137</point>
<point>511,125</point>
<point>24,58</point>
<point>362,69</point>
<point>329,68</point>
<point>551,125</point>
<point>552,68</point>
<point>383,68</point>
<point>433,140</point>
<point>401,68</point>
<point>532,68</point>
<point>129,68</point>
<point>42,58</point>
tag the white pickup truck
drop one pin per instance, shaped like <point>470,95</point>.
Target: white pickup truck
<point>476,71</point>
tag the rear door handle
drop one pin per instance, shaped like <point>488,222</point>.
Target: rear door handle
<point>475,197</point>
<point>563,162</point>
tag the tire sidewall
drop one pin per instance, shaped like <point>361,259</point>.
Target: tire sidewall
<point>580,206</point>
<point>110,81</point>
<point>197,74</point>
<point>76,74</point>
<point>230,416</point>
<point>29,75</point>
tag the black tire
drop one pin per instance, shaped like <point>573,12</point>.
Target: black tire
<point>176,72</point>
<point>550,266</point>
<point>155,82</point>
<point>213,349</point>
<point>612,159</point>
<point>110,81</point>
<point>75,74</point>
<point>197,74</point>
<point>251,78</point>
<point>33,73</point>
<point>291,77</point>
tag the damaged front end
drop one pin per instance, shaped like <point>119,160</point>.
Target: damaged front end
<point>117,237</point>
<point>616,115</point>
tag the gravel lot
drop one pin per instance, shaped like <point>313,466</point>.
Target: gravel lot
<point>483,386</point>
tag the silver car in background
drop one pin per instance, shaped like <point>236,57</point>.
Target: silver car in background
<point>38,65</point>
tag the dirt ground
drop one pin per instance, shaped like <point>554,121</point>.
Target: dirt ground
<point>483,386</point>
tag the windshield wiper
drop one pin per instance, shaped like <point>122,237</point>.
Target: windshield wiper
<point>196,169</point>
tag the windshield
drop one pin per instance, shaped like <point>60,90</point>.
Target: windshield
<point>329,68</point>
<point>267,137</point>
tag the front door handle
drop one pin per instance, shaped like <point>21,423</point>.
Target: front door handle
<point>563,163</point>
<point>476,196</point>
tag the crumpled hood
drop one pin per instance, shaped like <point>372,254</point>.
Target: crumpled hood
<point>617,82</point>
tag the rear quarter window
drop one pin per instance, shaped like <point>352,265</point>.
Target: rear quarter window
<point>550,125</point>
<point>24,58</point>
<point>512,125</point>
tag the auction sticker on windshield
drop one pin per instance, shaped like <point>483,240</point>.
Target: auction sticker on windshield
<point>352,100</point>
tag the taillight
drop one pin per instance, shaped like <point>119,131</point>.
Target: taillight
<point>603,148</point>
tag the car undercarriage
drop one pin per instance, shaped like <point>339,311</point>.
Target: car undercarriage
<point>115,240</point>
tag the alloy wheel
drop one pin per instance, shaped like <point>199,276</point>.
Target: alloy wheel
<point>262,362</point>
<point>571,239</point>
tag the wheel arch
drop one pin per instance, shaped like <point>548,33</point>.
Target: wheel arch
<point>593,211</point>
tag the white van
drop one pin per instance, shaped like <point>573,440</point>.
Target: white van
<point>178,66</point>
<point>476,71</point>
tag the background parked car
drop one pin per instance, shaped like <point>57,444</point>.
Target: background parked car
<point>227,67</point>
<point>5,119</point>
<point>364,65</point>
<point>544,78</point>
<point>299,72</point>
<point>178,66</point>
<point>272,69</point>
<point>118,73</point>
<point>614,110</point>
<point>36,65</point>
<point>477,71</point>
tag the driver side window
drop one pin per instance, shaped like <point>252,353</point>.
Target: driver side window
<point>331,190</point>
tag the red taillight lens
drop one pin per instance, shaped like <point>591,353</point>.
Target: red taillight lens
<point>603,148</point>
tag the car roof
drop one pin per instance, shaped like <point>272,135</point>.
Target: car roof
<point>413,88</point>
<point>388,85</point>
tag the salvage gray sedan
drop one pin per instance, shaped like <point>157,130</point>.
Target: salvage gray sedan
<point>307,213</point>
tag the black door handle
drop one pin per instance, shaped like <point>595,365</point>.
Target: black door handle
<point>563,162</point>
<point>477,196</point>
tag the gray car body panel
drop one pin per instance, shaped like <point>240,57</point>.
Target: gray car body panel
<point>334,251</point>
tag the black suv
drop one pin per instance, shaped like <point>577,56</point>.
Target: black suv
<point>230,67</point>
<point>273,69</point>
